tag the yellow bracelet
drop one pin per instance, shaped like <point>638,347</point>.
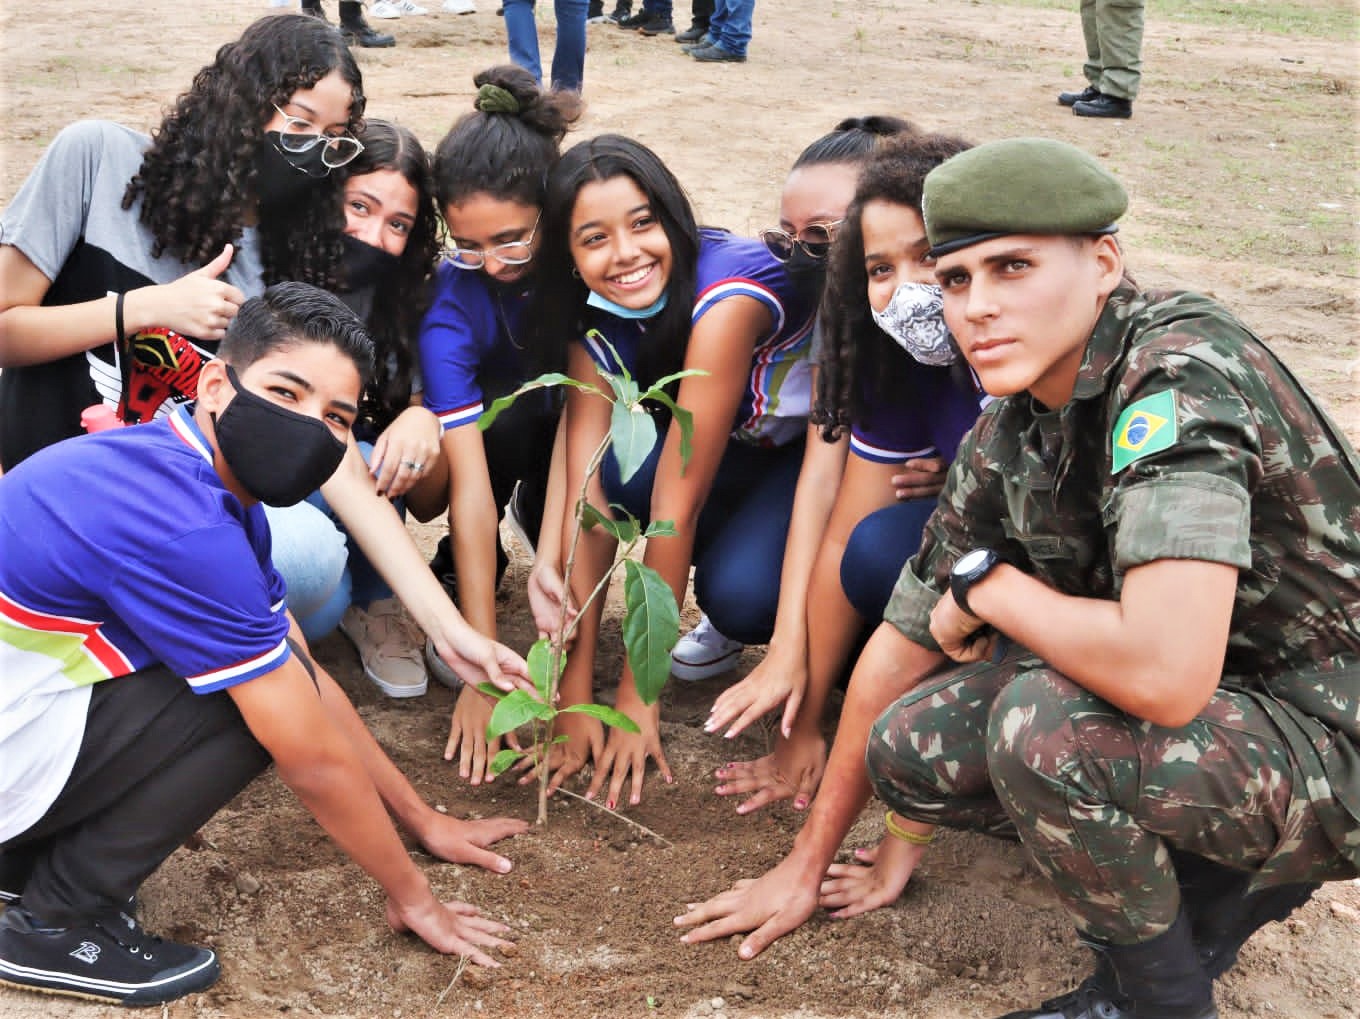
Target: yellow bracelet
<point>910,837</point>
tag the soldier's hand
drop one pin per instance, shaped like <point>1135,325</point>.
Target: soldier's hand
<point>963,637</point>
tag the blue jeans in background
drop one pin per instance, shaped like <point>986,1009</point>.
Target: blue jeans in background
<point>569,55</point>
<point>730,26</point>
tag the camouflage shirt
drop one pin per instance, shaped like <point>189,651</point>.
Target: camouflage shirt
<point>1185,438</point>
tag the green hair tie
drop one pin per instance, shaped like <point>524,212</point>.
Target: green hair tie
<point>494,99</point>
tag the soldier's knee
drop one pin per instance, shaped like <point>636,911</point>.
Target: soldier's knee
<point>912,764</point>
<point>1030,725</point>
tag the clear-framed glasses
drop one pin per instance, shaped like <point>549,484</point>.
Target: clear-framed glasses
<point>513,253</point>
<point>298,135</point>
<point>815,240</point>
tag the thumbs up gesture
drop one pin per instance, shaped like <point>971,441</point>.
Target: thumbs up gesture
<point>198,304</point>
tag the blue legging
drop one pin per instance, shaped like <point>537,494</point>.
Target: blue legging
<point>739,543</point>
<point>879,547</point>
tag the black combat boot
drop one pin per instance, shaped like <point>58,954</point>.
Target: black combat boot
<point>357,31</point>
<point>1159,979</point>
<point>313,7</point>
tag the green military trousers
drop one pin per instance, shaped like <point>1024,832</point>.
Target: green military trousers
<point>1097,796</point>
<point>1114,45</point>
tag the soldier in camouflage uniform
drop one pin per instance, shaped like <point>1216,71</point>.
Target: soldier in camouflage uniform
<point>1167,521</point>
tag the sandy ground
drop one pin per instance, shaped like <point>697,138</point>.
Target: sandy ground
<point>1241,161</point>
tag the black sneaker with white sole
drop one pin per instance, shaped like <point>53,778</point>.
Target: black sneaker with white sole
<point>112,959</point>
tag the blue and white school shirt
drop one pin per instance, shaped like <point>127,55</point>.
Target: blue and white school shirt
<point>922,412</point>
<point>778,397</point>
<point>119,551</point>
<point>470,345</point>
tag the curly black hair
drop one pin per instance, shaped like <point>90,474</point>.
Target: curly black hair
<point>394,320</point>
<point>506,149</point>
<point>854,347</point>
<point>197,180</point>
<point>555,316</point>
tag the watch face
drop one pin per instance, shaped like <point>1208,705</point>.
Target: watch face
<point>970,561</point>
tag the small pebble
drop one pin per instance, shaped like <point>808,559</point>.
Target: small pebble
<point>717,1003</point>
<point>509,950</point>
<point>477,978</point>
<point>247,883</point>
<point>441,808</point>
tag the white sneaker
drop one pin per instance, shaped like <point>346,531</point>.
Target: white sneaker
<point>389,647</point>
<point>439,668</point>
<point>410,9</point>
<point>704,652</point>
<point>514,519</point>
<point>384,9</point>
<point>459,7</point>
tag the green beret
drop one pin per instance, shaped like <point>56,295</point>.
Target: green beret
<point>1018,186</point>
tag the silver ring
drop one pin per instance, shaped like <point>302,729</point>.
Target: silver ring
<point>413,465</point>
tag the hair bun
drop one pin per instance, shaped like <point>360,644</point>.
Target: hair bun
<point>495,99</point>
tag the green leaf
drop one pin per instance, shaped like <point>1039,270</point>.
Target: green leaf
<point>516,708</point>
<point>607,715</point>
<point>633,434</point>
<point>623,530</point>
<point>539,660</point>
<point>661,529</point>
<point>659,386</point>
<point>625,389</point>
<point>504,759</point>
<point>489,416</point>
<point>491,690</point>
<point>651,626</point>
<point>600,338</point>
<point>685,421</point>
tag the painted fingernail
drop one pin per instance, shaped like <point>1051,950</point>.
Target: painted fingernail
<point>609,804</point>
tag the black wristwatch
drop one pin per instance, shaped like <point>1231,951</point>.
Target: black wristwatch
<point>971,567</point>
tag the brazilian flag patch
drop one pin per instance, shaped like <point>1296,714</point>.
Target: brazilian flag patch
<point>1147,426</point>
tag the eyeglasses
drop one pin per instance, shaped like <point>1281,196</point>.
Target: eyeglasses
<point>815,240</point>
<point>513,253</point>
<point>298,135</point>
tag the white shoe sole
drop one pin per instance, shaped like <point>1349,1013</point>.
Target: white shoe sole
<point>692,672</point>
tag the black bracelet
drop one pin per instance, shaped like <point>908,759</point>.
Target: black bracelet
<point>118,319</point>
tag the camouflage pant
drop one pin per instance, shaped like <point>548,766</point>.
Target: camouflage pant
<point>1096,795</point>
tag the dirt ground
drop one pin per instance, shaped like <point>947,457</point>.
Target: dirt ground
<point>1241,162</point>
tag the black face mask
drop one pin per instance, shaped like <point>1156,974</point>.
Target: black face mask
<point>363,265</point>
<point>806,272</point>
<point>282,178</point>
<point>279,456</point>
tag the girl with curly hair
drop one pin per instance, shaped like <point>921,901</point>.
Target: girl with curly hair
<point>391,241</point>
<point>123,258</point>
<point>490,172</point>
<point>892,402</point>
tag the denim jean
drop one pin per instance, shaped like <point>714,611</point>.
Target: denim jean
<point>730,26</point>
<point>878,548</point>
<point>322,565</point>
<point>569,56</point>
<point>739,541</point>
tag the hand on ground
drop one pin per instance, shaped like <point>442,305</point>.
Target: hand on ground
<point>454,928</point>
<point>793,770</point>
<point>457,841</point>
<point>467,737</point>
<point>875,879</point>
<point>769,907</point>
<point>625,758</point>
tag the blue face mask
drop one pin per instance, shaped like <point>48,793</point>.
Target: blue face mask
<point>604,304</point>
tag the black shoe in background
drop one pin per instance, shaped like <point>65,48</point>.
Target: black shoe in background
<point>657,25</point>
<point>1103,105</point>
<point>1084,96</point>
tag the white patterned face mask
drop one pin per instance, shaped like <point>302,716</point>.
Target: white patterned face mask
<point>915,319</point>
